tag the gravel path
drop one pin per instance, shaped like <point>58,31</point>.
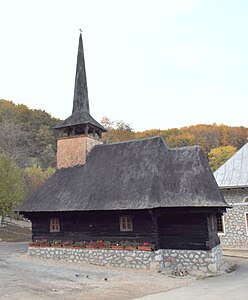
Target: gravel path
<point>23,277</point>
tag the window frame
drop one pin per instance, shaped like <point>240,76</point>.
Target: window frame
<point>54,225</point>
<point>212,222</point>
<point>246,222</point>
<point>223,232</point>
<point>245,200</point>
<point>126,223</point>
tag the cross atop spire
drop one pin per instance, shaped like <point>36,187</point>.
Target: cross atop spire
<point>80,121</point>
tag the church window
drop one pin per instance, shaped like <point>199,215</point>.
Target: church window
<point>212,221</point>
<point>126,223</point>
<point>246,199</point>
<point>220,223</point>
<point>54,225</point>
<point>246,219</point>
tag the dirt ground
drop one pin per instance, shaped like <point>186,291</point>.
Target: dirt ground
<point>23,277</point>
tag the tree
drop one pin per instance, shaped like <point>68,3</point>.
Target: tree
<point>27,135</point>
<point>122,132</point>
<point>107,124</point>
<point>148,133</point>
<point>11,185</point>
<point>118,131</point>
<point>34,177</point>
<point>218,156</point>
<point>16,143</point>
<point>180,140</point>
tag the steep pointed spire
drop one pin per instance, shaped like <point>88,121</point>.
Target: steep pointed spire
<point>80,100</point>
<point>80,120</point>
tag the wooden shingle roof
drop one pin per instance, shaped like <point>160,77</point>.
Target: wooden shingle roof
<point>139,174</point>
<point>81,109</point>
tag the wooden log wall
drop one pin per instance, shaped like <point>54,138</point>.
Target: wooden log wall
<point>87,226</point>
<point>183,231</point>
<point>213,238</point>
<point>188,229</point>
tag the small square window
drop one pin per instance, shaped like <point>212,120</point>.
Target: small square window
<point>54,225</point>
<point>126,223</point>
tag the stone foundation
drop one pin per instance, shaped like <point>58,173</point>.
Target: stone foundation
<point>160,260</point>
<point>193,260</point>
<point>102,257</point>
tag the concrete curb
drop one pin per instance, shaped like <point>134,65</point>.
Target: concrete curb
<point>241,253</point>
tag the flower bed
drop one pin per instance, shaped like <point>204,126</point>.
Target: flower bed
<point>99,244</point>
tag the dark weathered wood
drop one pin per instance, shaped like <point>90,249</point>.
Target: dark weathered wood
<point>183,231</point>
<point>213,239</point>
<point>93,226</point>
<point>166,228</point>
<point>156,239</point>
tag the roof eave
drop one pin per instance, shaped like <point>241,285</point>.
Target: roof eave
<point>233,187</point>
<point>80,123</point>
<point>127,208</point>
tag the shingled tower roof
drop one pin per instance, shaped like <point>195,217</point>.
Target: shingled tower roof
<point>80,112</point>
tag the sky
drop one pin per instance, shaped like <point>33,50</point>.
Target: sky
<point>153,64</point>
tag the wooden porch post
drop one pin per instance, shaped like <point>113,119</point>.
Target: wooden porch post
<point>155,228</point>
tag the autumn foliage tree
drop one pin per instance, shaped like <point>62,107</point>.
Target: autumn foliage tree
<point>219,142</point>
<point>34,177</point>
<point>218,156</point>
<point>118,131</point>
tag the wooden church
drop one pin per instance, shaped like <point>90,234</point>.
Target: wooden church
<point>136,190</point>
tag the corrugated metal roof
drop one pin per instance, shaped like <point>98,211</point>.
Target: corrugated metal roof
<point>234,172</point>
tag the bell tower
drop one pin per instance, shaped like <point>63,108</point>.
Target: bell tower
<point>79,133</point>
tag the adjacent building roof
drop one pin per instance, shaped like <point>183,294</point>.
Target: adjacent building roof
<point>139,174</point>
<point>234,172</point>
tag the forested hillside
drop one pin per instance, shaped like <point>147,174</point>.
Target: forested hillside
<point>27,152</point>
<point>28,146</point>
<point>219,142</point>
<point>27,135</point>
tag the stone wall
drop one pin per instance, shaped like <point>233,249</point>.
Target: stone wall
<point>194,260</point>
<point>235,196</point>
<point>163,260</point>
<point>102,257</point>
<point>235,221</point>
